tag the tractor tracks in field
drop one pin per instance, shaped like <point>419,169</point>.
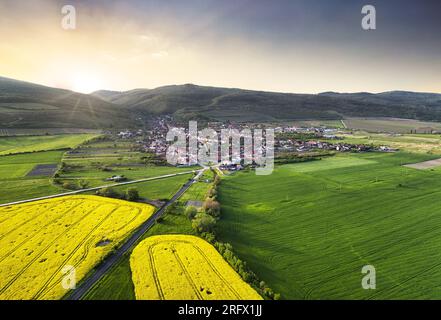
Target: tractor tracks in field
<point>73,252</point>
<point>46,248</point>
<point>34,235</point>
<point>90,280</point>
<point>37,215</point>
<point>87,245</point>
<point>185,271</point>
<point>154,274</point>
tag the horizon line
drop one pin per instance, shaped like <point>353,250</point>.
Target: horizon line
<point>219,87</point>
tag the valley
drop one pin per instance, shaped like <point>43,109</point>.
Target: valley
<point>346,191</point>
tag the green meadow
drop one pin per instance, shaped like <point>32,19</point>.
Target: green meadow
<point>14,182</point>
<point>158,189</point>
<point>414,143</point>
<point>86,159</point>
<point>22,144</point>
<point>309,228</point>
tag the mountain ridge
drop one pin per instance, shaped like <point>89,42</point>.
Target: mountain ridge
<point>24,104</point>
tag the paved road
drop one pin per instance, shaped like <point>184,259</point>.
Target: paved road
<point>110,261</point>
<point>97,188</point>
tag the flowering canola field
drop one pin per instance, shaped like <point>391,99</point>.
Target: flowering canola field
<point>38,239</point>
<point>181,267</point>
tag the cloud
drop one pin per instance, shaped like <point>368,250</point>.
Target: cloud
<point>159,54</point>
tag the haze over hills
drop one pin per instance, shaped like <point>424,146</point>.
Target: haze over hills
<point>27,105</point>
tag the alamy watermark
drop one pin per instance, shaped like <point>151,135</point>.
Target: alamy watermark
<point>369,281</point>
<point>69,19</point>
<point>69,280</point>
<point>209,147</point>
<point>369,20</point>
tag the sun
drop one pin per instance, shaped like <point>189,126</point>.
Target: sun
<point>86,82</point>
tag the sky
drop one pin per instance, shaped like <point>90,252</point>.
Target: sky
<point>300,46</point>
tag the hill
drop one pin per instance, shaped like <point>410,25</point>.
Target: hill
<point>190,101</point>
<point>28,105</point>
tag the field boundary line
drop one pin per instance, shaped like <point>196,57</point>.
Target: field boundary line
<point>98,188</point>
<point>109,261</point>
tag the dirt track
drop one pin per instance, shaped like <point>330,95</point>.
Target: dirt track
<point>425,164</point>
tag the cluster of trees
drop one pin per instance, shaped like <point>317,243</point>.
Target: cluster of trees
<point>105,168</point>
<point>71,184</point>
<point>62,169</point>
<point>212,192</point>
<point>240,266</point>
<point>131,194</point>
<point>150,158</point>
<point>204,220</point>
<point>204,223</point>
<point>65,168</point>
<point>292,157</point>
<point>300,136</point>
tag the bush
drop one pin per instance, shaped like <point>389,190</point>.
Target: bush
<point>203,222</point>
<point>84,184</point>
<point>171,209</point>
<point>132,194</point>
<point>212,207</point>
<point>109,193</point>
<point>190,212</point>
<point>210,237</point>
<point>212,193</point>
<point>70,185</point>
<point>106,169</point>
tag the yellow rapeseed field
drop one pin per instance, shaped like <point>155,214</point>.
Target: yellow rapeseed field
<point>181,267</point>
<point>38,239</point>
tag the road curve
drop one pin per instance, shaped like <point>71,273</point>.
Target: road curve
<point>114,257</point>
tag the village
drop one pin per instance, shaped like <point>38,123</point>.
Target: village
<point>288,140</point>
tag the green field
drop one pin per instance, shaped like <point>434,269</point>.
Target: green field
<point>158,189</point>
<point>391,125</point>
<point>84,163</point>
<point>415,143</point>
<point>97,178</point>
<point>16,185</point>
<point>306,230</point>
<point>337,124</point>
<point>6,132</point>
<point>97,160</point>
<point>22,144</point>
<point>198,191</point>
<point>309,232</point>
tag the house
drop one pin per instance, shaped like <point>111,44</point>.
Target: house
<point>117,178</point>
